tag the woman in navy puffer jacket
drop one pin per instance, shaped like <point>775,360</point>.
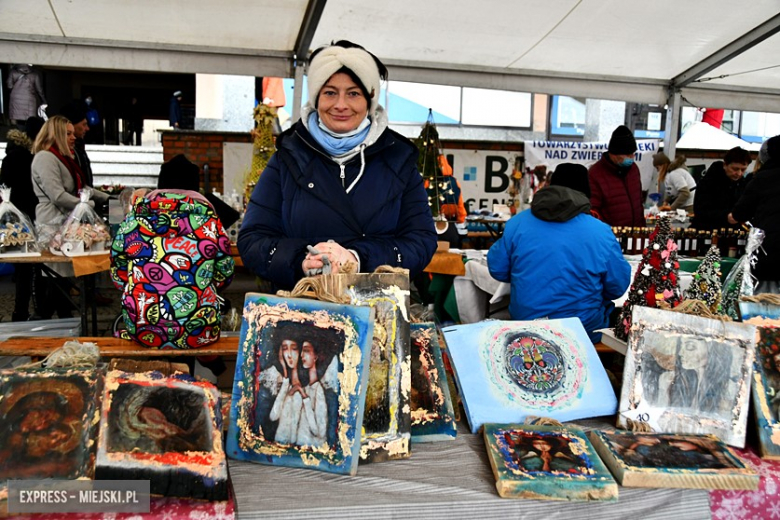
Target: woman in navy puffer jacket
<point>340,181</point>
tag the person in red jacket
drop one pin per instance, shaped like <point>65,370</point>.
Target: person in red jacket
<point>615,183</point>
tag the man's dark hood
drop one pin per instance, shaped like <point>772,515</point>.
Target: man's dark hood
<point>559,204</point>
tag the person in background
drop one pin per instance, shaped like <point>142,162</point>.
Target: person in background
<point>719,190</point>
<point>134,123</point>
<point>16,173</point>
<point>760,204</point>
<point>615,183</point>
<point>174,110</point>
<point>560,261</point>
<point>678,184</point>
<point>76,113</point>
<point>57,181</point>
<point>341,181</point>
<point>95,122</point>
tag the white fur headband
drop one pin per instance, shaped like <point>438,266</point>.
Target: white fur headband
<point>331,59</point>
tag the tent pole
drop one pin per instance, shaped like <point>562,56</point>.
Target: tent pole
<point>672,123</point>
<point>297,91</point>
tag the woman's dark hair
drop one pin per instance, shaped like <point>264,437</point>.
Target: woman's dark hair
<point>737,155</point>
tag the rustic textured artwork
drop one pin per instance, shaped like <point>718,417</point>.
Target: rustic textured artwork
<point>766,375</point>
<point>546,462</point>
<point>47,419</point>
<point>507,370</point>
<point>685,374</point>
<point>433,418</point>
<point>386,419</point>
<point>674,461</point>
<point>300,383</point>
<point>165,429</point>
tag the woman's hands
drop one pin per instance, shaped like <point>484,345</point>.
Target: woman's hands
<point>336,255</point>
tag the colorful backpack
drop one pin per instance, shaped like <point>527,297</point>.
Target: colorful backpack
<point>169,257</point>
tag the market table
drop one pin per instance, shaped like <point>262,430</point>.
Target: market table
<point>114,347</point>
<point>84,267</point>
<point>450,479</point>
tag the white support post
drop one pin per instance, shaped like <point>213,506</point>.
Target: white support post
<point>672,123</point>
<point>297,91</point>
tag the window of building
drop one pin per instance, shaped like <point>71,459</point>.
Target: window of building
<point>567,116</point>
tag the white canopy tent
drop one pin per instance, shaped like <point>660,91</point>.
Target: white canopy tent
<point>703,136</point>
<point>713,53</point>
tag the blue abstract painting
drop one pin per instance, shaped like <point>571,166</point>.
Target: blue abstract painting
<point>507,370</point>
<point>300,383</point>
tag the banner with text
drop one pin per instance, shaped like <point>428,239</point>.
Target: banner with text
<point>553,153</point>
<point>483,176</point>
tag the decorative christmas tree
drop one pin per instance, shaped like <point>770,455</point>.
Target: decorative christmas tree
<point>706,284</point>
<point>656,283</point>
<point>436,183</point>
<point>262,146</point>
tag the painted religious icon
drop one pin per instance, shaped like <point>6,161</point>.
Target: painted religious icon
<point>546,462</point>
<point>386,418</point>
<point>686,374</point>
<point>766,375</point>
<point>47,418</point>
<point>433,418</point>
<point>507,370</point>
<point>671,460</point>
<point>300,383</point>
<point>165,429</point>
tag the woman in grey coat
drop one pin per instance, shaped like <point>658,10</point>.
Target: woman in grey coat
<point>57,181</point>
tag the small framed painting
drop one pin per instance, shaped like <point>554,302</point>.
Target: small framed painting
<point>547,463</point>
<point>300,383</point>
<point>386,418</point>
<point>660,460</point>
<point>47,423</point>
<point>766,375</point>
<point>433,417</point>
<point>686,374</point>
<point>165,429</point>
<point>507,370</point>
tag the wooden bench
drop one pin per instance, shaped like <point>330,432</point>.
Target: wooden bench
<point>113,347</point>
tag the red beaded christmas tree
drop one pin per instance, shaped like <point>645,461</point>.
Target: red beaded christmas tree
<point>656,278</point>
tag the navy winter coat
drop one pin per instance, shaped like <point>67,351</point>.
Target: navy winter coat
<point>299,201</point>
<point>560,261</point>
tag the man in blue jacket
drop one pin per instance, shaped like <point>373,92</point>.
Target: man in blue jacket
<point>561,261</point>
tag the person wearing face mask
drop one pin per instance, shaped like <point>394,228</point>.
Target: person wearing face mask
<point>340,181</point>
<point>615,183</point>
<point>719,190</point>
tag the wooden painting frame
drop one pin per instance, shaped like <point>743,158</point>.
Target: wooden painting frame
<point>547,463</point>
<point>672,461</point>
<point>433,416</point>
<point>498,385</point>
<point>270,327</point>
<point>48,419</point>
<point>163,428</point>
<point>688,375</point>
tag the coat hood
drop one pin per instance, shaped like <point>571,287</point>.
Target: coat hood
<point>559,204</point>
<point>18,138</point>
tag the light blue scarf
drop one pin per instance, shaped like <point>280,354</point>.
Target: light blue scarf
<point>335,146</point>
